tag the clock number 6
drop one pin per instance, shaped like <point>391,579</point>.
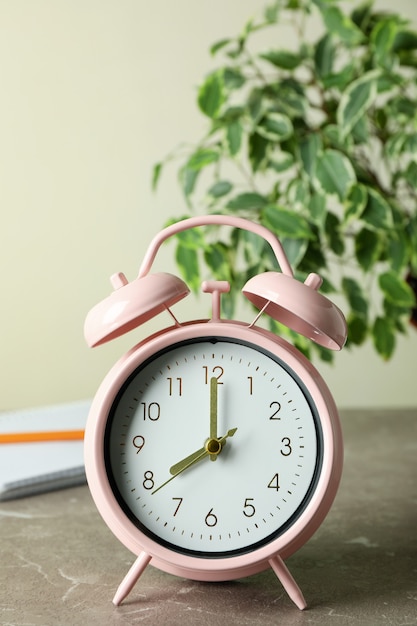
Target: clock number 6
<point>210,519</point>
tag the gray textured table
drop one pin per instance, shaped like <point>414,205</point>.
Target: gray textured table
<point>60,565</point>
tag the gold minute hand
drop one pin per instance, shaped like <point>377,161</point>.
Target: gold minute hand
<point>213,412</point>
<point>213,408</point>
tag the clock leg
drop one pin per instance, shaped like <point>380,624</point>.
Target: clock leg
<point>131,578</point>
<point>287,581</point>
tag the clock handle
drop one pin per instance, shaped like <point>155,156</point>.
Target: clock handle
<point>288,582</point>
<point>131,578</point>
<point>215,220</point>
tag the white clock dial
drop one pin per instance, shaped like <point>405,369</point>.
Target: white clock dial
<point>261,464</point>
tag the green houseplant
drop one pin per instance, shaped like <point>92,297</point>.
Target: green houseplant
<point>319,143</point>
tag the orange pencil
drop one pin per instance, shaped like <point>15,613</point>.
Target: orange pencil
<point>58,435</point>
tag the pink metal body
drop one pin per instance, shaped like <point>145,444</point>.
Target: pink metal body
<point>278,294</point>
<point>232,567</point>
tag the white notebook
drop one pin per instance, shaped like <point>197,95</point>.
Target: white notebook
<point>32,468</point>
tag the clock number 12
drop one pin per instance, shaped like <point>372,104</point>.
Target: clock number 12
<point>217,372</point>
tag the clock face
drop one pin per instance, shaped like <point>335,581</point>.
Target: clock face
<point>213,447</point>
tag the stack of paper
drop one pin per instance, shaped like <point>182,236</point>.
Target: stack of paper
<point>36,467</point>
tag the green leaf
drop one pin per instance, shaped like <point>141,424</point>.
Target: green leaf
<point>357,329</point>
<point>355,297</point>
<point>248,200</point>
<point>298,193</point>
<point>326,355</point>
<point>394,145</point>
<point>201,158</point>
<point>355,203</point>
<point>295,250</point>
<point>383,337</point>
<point>310,146</point>
<point>356,100</point>
<point>397,315</point>
<point>362,14</point>
<point>188,179</point>
<point>291,98</point>
<point>211,95</point>
<point>317,209</point>
<point>332,136</point>
<point>247,30</point>
<point>253,247</point>
<point>281,162</point>
<point>219,45</point>
<point>340,25</point>
<point>234,132</point>
<point>398,250</point>
<point>271,13</point>
<point>233,78</point>
<point>368,248</point>
<point>405,40</point>
<point>187,261</point>
<point>255,104</point>
<point>286,223</point>
<point>382,38</point>
<point>334,173</point>
<point>334,235</point>
<point>258,146</point>
<point>396,290</point>
<point>410,173</point>
<point>324,56</point>
<point>314,258</point>
<point>410,144</point>
<point>220,189</point>
<point>404,107</point>
<point>156,174</point>
<point>360,131</point>
<point>340,79</point>
<point>377,214</point>
<point>275,127</point>
<point>283,59</point>
<point>216,257</point>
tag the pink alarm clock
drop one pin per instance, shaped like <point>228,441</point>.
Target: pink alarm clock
<point>213,448</point>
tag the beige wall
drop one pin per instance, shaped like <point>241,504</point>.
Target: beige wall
<point>93,93</point>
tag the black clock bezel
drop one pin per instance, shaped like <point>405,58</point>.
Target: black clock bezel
<point>244,549</point>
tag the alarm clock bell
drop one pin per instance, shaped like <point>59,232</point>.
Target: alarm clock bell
<point>289,301</point>
<point>132,304</point>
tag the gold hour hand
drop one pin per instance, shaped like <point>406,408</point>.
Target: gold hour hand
<point>212,446</point>
<point>195,456</point>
